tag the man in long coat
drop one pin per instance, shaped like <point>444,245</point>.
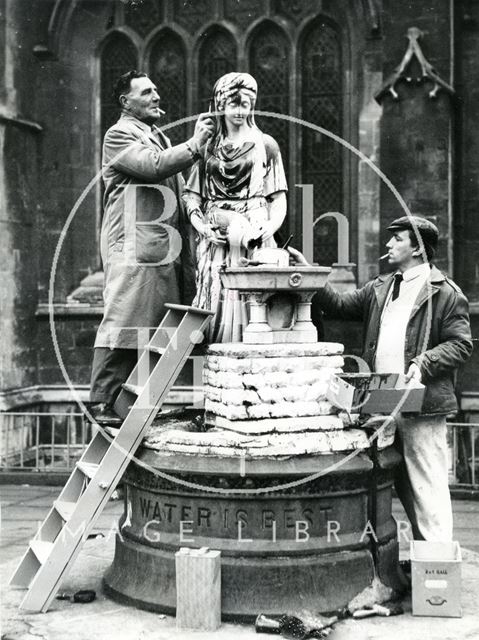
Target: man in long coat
<point>416,322</point>
<point>145,250</point>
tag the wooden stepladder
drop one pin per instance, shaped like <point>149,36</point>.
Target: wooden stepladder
<point>60,537</point>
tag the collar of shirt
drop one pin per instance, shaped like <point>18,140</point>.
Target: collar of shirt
<point>422,270</point>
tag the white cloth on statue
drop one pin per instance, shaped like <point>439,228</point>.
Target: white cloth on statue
<point>422,480</point>
<point>395,318</point>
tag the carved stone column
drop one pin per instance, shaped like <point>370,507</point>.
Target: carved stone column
<point>258,323</point>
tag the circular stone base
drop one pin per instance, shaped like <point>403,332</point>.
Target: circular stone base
<point>249,585</point>
<point>295,532</point>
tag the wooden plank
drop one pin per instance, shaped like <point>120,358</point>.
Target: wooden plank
<point>135,390</point>
<point>42,549</point>
<point>88,468</point>
<point>26,570</point>
<point>187,309</point>
<point>198,589</point>
<point>65,508</point>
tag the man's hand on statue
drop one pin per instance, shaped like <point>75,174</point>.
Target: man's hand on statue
<point>204,128</point>
<point>297,256</point>
<point>413,373</point>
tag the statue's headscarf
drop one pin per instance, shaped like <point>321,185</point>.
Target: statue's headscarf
<point>229,85</point>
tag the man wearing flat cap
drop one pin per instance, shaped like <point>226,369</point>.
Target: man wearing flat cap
<point>415,322</point>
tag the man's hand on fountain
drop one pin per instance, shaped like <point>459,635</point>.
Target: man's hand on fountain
<point>298,257</point>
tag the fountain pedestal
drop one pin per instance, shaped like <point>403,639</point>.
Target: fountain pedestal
<point>279,301</point>
<point>294,530</point>
<point>297,502</point>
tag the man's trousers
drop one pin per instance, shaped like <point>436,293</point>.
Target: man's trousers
<point>110,369</point>
<point>422,480</point>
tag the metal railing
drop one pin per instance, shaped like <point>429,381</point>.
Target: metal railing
<point>465,458</point>
<point>53,442</point>
<point>40,441</point>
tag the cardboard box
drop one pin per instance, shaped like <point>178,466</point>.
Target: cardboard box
<point>436,579</point>
<point>369,393</point>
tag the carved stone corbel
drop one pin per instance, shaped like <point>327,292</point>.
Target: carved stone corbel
<point>372,12</point>
<point>400,73</point>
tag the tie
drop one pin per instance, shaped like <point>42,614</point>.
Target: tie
<point>398,278</point>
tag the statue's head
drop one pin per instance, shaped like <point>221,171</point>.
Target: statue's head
<point>234,87</point>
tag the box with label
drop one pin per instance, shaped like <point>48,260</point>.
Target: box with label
<point>436,578</point>
<point>369,393</point>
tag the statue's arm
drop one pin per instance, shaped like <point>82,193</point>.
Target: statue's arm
<point>275,187</point>
<point>276,214</point>
<point>194,204</point>
<point>192,195</point>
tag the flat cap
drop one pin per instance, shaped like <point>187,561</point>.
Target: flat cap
<point>426,229</point>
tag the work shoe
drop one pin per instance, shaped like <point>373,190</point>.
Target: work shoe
<point>404,573</point>
<point>104,414</point>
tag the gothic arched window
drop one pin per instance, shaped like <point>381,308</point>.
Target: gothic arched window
<point>167,66</point>
<point>217,56</point>
<point>118,56</point>
<point>269,64</point>
<point>321,155</point>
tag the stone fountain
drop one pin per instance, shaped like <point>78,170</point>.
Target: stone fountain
<point>295,497</point>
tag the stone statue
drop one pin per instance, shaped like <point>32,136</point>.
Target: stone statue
<point>235,199</point>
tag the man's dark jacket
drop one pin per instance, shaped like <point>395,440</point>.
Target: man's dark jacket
<point>438,336</point>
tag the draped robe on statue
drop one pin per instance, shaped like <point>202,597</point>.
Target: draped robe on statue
<point>232,183</point>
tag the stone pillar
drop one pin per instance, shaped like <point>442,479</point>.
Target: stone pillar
<point>416,129</point>
<point>369,183</point>
<point>258,322</point>
<point>19,139</point>
<point>303,318</point>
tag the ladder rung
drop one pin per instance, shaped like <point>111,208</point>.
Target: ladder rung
<point>153,349</point>
<point>41,549</point>
<point>88,468</point>
<point>64,508</point>
<point>132,388</point>
<point>185,309</point>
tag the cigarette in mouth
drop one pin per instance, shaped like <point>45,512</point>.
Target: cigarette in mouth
<point>386,255</point>
<point>161,111</point>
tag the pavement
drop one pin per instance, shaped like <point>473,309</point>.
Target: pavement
<point>23,507</point>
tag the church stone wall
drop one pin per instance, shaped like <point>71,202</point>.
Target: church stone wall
<point>428,148</point>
